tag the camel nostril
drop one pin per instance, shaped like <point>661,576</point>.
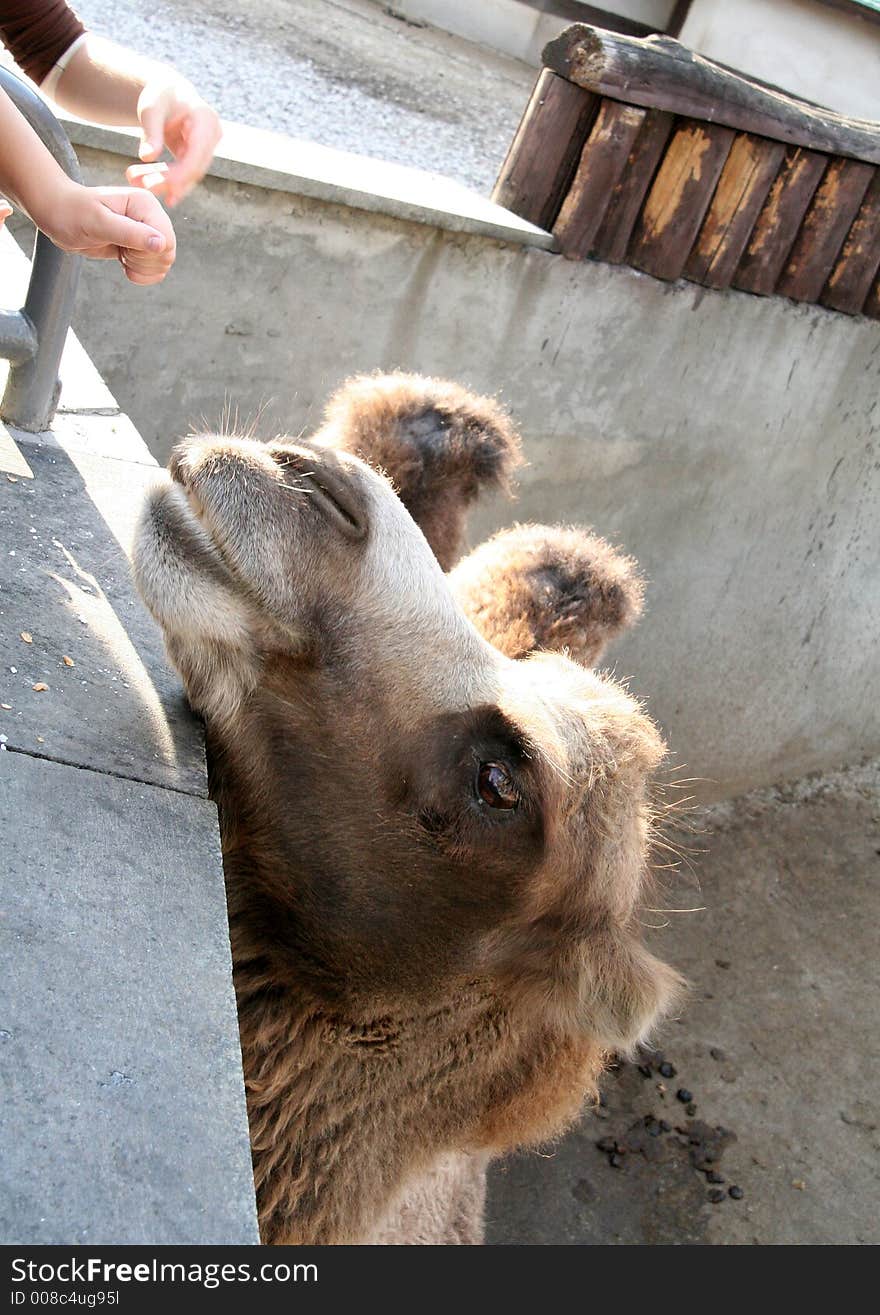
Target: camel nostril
<point>340,506</point>
<point>334,489</point>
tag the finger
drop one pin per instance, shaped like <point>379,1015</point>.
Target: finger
<point>152,119</point>
<point>201,134</point>
<point>151,177</point>
<point>143,274</point>
<point>143,280</point>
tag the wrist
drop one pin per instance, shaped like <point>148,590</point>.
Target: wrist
<point>57,209</point>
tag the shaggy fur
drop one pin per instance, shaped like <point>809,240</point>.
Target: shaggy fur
<point>439,445</point>
<point>434,826</point>
<point>537,587</point>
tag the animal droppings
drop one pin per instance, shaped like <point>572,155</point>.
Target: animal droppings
<point>736,1192</point>
<point>684,1095</point>
<point>667,1070</point>
<point>716,1195</point>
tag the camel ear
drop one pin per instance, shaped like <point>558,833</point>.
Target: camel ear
<point>440,445</point>
<point>627,992</point>
<point>549,587</point>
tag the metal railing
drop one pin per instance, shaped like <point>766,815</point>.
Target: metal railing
<point>32,338</point>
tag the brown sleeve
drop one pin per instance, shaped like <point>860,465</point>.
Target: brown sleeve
<point>37,33</point>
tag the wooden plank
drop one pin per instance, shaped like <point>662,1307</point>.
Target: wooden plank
<point>679,198</point>
<point>742,189</point>
<point>851,279</point>
<point>602,162</point>
<point>545,150</point>
<point>615,231</point>
<point>778,223</point>
<point>872,302</point>
<point>826,224</point>
<point>660,73</point>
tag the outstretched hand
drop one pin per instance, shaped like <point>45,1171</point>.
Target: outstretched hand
<point>173,115</point>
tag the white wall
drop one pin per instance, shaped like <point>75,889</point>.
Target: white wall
<point>517,29</point>
<point>809,49</point>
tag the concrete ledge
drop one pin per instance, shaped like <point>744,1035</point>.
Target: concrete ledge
<point>277,163</point>
<point>123,1119</point>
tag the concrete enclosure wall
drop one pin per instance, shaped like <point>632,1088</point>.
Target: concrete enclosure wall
<point>727,441</point>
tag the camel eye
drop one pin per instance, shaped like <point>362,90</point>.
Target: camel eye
<point>495,786</point>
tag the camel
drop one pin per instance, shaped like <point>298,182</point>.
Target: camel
<point>435,816</point>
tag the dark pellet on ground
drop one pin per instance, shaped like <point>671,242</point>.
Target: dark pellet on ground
<point>645,1070</point>
<point>723,963</point>
<point>716,1195</point>
<point>616,1161</point>
<point>684,1095</point>
<point>664,1126</point>
<point>606,1144</point>
<point>690,1109</point>
<point>736,1192</point>
<point>717,1054</point>
<point>713,1176</point>
<point>654,1130</point>
<point>667,1071</point>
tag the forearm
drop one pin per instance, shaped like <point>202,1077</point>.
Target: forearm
<point>104,81</point>
<point>29,174</point>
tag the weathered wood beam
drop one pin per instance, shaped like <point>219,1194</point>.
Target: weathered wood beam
<point>660,73</point>
<point>778,223</point>
<point>745,181</point>
<point>612,239</point>
<point>679,198</point>
<point>850,281</point>
<point>826,224</point>
<point>601,166</point>
<point>544,153</point>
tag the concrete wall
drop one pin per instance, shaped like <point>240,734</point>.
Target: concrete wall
<point>812,50</point>
<point>728,441</point>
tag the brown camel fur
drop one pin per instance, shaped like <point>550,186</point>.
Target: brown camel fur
<point>435,824</point>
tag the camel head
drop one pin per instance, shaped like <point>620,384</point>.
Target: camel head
<point>418,790</point>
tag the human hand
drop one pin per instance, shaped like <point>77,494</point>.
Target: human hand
<point>172,114</point>
<point>112,223</point>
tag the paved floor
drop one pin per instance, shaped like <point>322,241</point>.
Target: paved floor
<point>343,73</point>
<point>778,1047</point>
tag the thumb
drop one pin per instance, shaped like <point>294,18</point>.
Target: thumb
<point>152,119</point>
<point>120,231</point>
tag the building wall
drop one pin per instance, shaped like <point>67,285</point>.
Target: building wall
<point>729,442</point>
<point>520,30</point>
<point>812,50</point>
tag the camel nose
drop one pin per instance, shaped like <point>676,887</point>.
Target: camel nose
<point>336,488</point>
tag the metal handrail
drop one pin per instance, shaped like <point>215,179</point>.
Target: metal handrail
<point>33,338</point>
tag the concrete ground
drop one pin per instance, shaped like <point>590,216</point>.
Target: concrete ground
<point>778,1046</point>
<point>342,73</point>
